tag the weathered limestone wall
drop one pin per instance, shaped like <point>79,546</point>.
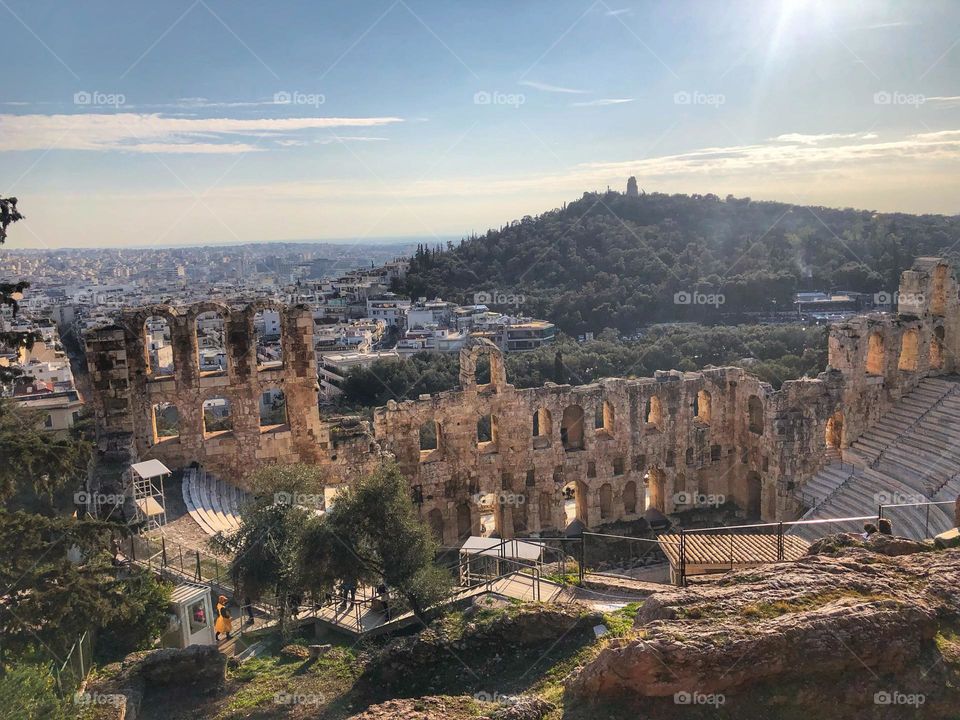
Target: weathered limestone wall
<point>884,356</point>
<point>127,391</point>
<point>624,444</point>
<point>628,458</point>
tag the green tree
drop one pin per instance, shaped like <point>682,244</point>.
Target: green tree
<point>35,461</point>
<point>12,292</point>
<point>28,692</point>
<point>266,547</point>
<point>60,581</point>
<point>372,535</point>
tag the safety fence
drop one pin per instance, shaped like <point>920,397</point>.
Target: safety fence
<point>70,674</point>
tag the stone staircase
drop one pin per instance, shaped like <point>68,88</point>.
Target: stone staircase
<point>213,503</point>
<point>912,454</point>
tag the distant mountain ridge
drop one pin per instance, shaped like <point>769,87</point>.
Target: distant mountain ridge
<point>616,260</point>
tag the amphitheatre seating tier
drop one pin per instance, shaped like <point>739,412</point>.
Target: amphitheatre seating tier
<point>909,456</point>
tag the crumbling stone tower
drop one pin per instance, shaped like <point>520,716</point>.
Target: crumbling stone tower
<point>128,389</point>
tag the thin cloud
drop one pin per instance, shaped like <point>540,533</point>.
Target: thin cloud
<point>602,101</point>
<point>815,139</point>
<point>618,12</point>
<point>944,100</point>
<point>139,133</point>
<point>545,87</point>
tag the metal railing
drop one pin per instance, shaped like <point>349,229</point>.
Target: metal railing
<point>927,505</point>
<point>69,675</point>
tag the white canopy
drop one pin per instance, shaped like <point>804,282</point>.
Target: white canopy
<point>495,547</point>
<point>150,469</point>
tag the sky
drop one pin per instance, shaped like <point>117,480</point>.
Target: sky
<point>186,122</point>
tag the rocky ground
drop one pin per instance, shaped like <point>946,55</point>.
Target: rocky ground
<point>853,630</point>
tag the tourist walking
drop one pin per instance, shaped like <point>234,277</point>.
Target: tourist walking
<point>224,623</point>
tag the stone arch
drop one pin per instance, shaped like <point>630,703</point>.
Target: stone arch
<point>606,501</point>
<point>703,406</point>
<point>542,427</point>
<point>755,413</point>
<point>876,354</point>
<point>435,521</point>
<point>571,428</point>
<point>210,327</point>
<point>834,431</point>
<point>630,498</point>
<point>268,338</point>
<point>273,409</point>
<point>464,520</point>
<point>158,347</point>
<point>603,418</point>
<point>938,291</point>
<point>471,353</point>
<point>937,348</point>
<point>654,412</point>
<point>656,482</point>
<point>909,350</point>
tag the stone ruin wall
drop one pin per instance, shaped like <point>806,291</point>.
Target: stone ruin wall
<point>126,391</point>
<point>721,431</point>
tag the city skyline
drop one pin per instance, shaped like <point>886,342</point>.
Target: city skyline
<point>208,123</point>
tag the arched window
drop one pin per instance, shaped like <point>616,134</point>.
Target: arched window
<point>158,347</point>
<point>654,412</point>
<point>603,418</point>
<point>755,410</point>
<point>266,329</point>
<point>464,520</point>
<point>834,434</point>
<point>702,405</point>
<point>689,456</point>
<point>216,416</point>
<point>909,350</point>
<point>571,428</point>
<point>606,501</point>
<point>211,343</point>
<point>875,354</point>
<point>630,497</point>
<point>655,482</point>
<point>542,427</point>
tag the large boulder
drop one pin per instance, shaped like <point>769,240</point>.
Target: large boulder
<point>858,621</point>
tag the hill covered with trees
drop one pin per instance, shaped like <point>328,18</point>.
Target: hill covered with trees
<point>612,260</point>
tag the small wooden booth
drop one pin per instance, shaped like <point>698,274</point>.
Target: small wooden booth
<point>191,617</point>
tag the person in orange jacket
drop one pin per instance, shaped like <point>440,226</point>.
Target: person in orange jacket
<point>224,623</point>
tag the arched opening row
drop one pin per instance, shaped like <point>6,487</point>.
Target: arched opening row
<point>909,356</point>
<point>210,330</point>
